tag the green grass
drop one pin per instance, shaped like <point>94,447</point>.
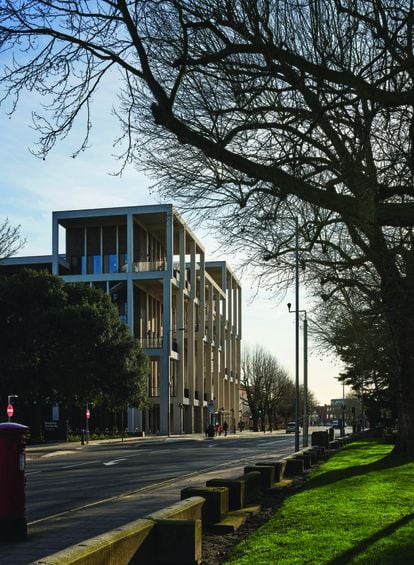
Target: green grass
<point>357,507</point>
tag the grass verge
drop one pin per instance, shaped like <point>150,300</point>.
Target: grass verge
<point>357,507</point>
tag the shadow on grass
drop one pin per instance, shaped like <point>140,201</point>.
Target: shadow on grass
<point>388,462</point>
<point>347,556</point>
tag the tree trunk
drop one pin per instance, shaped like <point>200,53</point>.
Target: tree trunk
<point>401,321</point>
<point>405,437</point>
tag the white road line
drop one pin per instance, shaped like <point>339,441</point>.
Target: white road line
<point>79,464</point>
<point>115,461</point>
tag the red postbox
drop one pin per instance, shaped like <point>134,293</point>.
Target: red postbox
<point>13,523</point>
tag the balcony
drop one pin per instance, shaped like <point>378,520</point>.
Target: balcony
<point>154,392</point>
<point>147,266</point>
<point>151,342</point>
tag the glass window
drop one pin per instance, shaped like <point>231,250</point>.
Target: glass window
<point>97,264</point>
<point>113,263</point>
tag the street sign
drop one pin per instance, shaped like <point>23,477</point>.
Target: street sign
<point>88,413</point>
<point>211,407</point>
<point>10,410</point>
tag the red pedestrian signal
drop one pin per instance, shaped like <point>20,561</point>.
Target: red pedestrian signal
<point>88,413</point>
<point>10,410</point>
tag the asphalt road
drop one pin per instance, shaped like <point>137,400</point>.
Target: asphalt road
<point>72,477</point>
<point>76,492</point>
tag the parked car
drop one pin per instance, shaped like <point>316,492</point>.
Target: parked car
<point>291,427</point>
<point>334,424</point>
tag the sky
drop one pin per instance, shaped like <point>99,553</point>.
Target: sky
<point>31,189</point>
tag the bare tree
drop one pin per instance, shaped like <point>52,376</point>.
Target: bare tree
<point>10,239</point>
<point>277,111</point>
<point>267,387</point>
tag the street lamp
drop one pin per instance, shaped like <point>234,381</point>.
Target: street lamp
<point>10,396</point>
<point>305,439</point>
<point>296,311</point>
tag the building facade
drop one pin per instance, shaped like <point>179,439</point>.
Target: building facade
<point>184,311</point>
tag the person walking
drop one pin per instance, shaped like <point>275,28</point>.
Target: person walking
<point>225,427</point>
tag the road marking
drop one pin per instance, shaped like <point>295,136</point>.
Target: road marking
<point>79,465</point>
<point>54,453</point>
<point>115,461</point>
<point>275,442</point>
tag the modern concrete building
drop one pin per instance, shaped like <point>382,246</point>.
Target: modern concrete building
<point>185,312</point>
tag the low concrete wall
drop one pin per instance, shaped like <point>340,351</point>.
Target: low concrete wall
<point>170,536</point>
<point>121,545</point>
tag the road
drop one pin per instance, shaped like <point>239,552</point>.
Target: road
<point>77,492</point>
<point>74,477</point>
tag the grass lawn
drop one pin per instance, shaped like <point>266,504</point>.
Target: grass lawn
<point>357,507</point>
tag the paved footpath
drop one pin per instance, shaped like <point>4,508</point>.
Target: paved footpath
<point>46,536</point>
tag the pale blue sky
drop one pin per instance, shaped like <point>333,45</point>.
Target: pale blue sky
<point>31,189</point>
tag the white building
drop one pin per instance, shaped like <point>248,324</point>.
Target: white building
<point>185,312</point>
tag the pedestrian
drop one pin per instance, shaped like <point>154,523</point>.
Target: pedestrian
<point>225,427</point>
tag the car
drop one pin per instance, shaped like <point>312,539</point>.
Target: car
<point>291,427</point>
<point>334,424</point>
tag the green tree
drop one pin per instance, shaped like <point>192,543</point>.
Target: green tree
<point>252,111</point>
<point>66,344</point>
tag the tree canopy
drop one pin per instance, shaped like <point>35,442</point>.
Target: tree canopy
<point>64,343</point>
<point>257,114</point>
<point>268,390</point>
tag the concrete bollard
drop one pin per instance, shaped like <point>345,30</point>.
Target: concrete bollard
<point>267,474</point>
<point>294,467</point>
<point>236,488</point>
<point>216,506</point>
<point>279,468</point>
<point>320,438</point>
<point>177,542</point>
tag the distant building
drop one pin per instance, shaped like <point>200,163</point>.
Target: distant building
<point>185,312</point>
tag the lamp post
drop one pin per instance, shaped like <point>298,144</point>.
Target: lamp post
<point>297,334</point>
<point>305,439</point>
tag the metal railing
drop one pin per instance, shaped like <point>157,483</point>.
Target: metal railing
<point>151,342</point>
<point>145,266</point>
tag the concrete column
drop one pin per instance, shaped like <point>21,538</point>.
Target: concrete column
<point>130,242</point>
<point>165,376</point>
<point>55,245</point>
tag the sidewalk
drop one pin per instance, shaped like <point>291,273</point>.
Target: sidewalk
<point>58,532</point>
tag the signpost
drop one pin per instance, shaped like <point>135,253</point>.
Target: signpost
<point>88,415</point>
